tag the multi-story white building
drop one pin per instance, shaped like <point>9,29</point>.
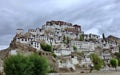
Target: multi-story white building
<point>53,33</point>
<point>91,37</point>
<point>82,46</point>
<point>20,31</point>
<point>63,28</point>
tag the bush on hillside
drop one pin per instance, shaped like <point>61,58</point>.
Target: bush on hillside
<point>25,65</point>
<point>114,63</point>
<point>46,47</point>
<point>97,61</point>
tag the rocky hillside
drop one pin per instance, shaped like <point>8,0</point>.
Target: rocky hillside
<point>25,49</point>
<point>113,39</point>
<point>16,46</point>
<point>4,53</point>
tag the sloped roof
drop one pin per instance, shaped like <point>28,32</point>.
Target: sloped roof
<point>58,23</point>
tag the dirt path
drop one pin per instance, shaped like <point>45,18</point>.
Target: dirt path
<point>94,73</point>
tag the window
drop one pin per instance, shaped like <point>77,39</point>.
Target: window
<point>72,56</point>
<point>104,44</point>
<point>25,39</point>
<point>33,35</point>
<point>37,46</point>
<point>71,33</point>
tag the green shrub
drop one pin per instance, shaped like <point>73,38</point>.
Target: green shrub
<point>74,48</point>
<point>118,57</point>
<point>97,61</point>
<point>81,37</point>
<point>114,63</point>
<point>25,65</point>
<point>66,40</point>
<point>39,65</point>
<point>46,47</point>
<point>16,65</point>
<point>54,55</point>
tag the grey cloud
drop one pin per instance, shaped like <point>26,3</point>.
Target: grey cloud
<point>101,16</point>
<point>6,39</point>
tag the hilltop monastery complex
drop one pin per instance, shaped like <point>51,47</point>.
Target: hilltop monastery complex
<point>63,37</point>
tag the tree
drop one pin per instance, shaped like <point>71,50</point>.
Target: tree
<point>97,61</point>
<point>64,38</point>
<point>114,63</point>
<point>119,49</point>
<point>67,40</point>
<point>25,65</point>
<point>39,64</point>
<point>81,37</point>
<point>103,36</point>
<point>17,65</point>
<point>117,54</point>
<point>46,47</point>
<point>74,48</point>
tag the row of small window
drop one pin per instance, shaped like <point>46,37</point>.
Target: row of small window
<point>26,39</point>
<point>34,43</point>
<point>44,54</point>
<point>37,46</point>
<point>33,30</point>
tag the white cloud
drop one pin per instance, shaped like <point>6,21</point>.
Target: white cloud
<point>3,47</point>
<point>93,30</point>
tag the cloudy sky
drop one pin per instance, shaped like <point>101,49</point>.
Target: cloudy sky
<point>95,16</point>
